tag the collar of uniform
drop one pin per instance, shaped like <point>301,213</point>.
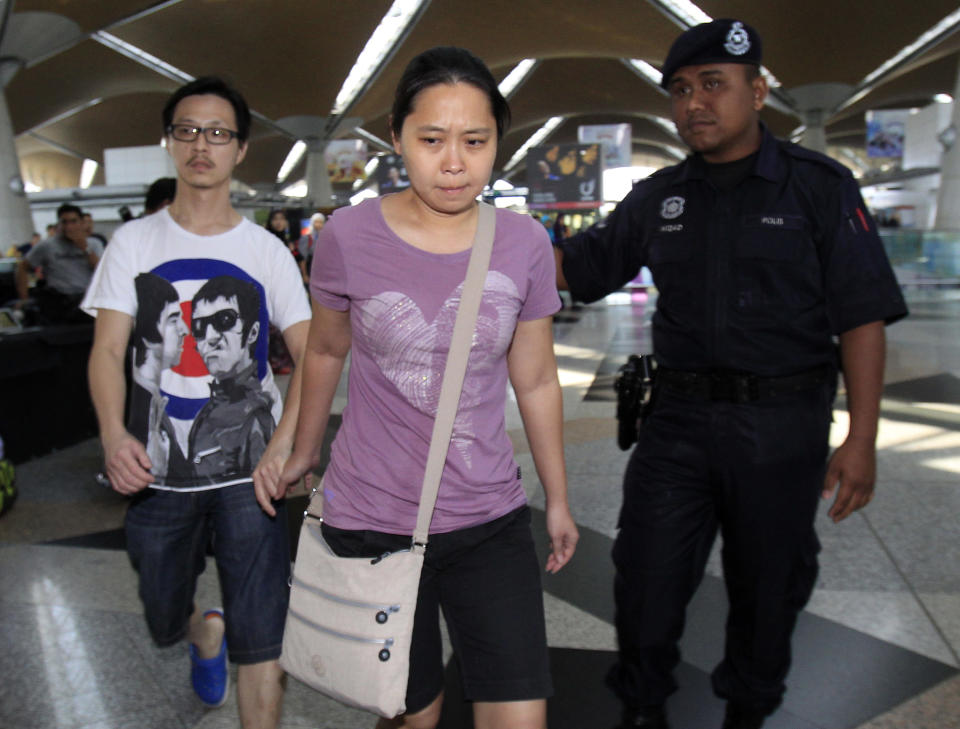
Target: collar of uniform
<point>769,165</point>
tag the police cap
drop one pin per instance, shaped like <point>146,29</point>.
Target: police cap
<point>719,41</point>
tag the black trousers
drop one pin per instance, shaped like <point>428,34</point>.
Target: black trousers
<point>755,472</point>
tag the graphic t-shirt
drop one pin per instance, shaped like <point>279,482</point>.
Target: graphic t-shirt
<point>403,302</point>
<point>202,399</point>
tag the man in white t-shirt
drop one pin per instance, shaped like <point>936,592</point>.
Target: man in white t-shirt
<point>225,429</point>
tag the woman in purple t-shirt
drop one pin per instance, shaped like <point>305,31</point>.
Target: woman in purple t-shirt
<point>386,288</point>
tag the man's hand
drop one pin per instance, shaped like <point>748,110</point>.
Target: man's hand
<point>128,466</point>
<point>854,466</point>
<point>267,476</point>
<point>296,468</point>
<point>563,536</point>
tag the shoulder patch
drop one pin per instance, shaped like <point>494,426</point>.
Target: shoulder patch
<point>669,170</point>
<point>808,155</point>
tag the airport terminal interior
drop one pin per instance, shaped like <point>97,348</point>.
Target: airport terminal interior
<point>81,87</point>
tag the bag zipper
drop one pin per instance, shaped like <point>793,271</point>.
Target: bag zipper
<point>386,642</point>
<point>347,601</point>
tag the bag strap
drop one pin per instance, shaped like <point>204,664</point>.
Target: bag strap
<point>455,368</point>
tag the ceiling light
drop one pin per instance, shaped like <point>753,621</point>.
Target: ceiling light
<point>380,45</point>
<point>943,98</point>
<point>646,70</point>
<point>925,41</point>
<point>907,51</point>
<point>87,171</point>
<point>141,56</point>
<point>297,189</point>
<point>362,195</point>
<point>293,157</point>
<point>373,139</point>
<point>538,136</point>
<point>683,11</point>
<point>517,76</point>
<point>371,165</point>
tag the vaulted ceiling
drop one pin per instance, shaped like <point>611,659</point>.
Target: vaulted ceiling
<point>78,92</point>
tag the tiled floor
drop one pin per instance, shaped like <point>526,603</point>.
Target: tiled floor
<point>878,646</point>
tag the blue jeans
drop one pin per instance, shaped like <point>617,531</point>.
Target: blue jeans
<point>167,537</point>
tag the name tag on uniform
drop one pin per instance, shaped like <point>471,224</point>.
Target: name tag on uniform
<point>671,227</point>
<point>774,221</point>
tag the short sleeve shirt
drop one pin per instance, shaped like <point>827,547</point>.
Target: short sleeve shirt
<point>203,399</point>
<point>66,268</point>
<point>754,279</point>
<point>402,303</point>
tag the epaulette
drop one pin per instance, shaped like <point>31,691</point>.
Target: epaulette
<point>655,179</point>
<point>808,155</point>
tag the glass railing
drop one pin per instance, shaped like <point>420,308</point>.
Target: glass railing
<point>925,261</point>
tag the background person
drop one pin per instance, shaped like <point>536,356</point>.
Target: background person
<point>67,260</point>
<point>307,242</point>
<point>280,360</point>
<point>761,252</point>
<point>160,194</point>
<point>386,286</point>
<point>88,229</point>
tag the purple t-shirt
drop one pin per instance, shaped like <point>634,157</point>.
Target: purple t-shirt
<point>403,302</point>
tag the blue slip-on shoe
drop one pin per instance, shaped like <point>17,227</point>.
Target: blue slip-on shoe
<point>210,676</point>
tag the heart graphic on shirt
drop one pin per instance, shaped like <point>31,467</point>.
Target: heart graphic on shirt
<point>412,352</point>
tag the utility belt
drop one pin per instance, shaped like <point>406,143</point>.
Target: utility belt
<point>738,387</point>
<point>638,379</point>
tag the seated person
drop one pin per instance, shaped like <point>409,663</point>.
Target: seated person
<point>67,259</point>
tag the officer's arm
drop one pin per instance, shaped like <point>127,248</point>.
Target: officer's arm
<point>853,464</point>
<point>562,284</point>
<point>603,258</point>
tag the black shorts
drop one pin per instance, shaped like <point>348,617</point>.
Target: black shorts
<point>487,581</point>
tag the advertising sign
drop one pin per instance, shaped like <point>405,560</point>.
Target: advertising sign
<point>391,174</point>
<point>615,140</point>
<point>886,132</point>
<point>565,177</point>
<point>346,159</point>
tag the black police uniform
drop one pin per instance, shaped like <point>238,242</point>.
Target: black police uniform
<point>754,279</point>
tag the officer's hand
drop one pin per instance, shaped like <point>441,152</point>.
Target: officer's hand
<point>563,536</point>
<point>128,466</point>
<point>854,466</point>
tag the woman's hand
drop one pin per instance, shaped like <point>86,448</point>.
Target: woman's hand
<point>563,536</point>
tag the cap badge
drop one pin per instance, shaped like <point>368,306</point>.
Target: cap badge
<point>672,208</point>
<point>738,41</point>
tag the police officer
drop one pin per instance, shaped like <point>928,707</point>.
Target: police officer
<point>762,252</point>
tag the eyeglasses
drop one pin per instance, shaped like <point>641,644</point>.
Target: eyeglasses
<point>223,321</point>
<point>189,133</point>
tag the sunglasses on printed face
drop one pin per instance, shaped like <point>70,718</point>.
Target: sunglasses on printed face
<point>223,321</point>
